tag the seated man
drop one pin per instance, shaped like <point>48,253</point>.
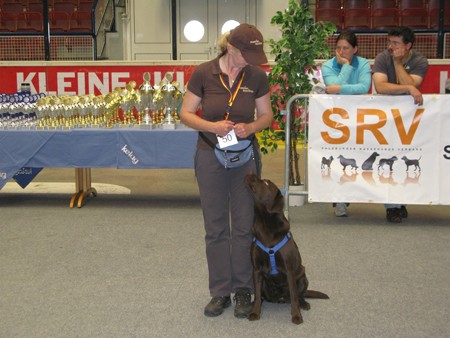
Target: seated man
<point>399,70</point>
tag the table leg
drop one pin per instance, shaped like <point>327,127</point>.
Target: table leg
<point>82,186</point>
<point>78,186</point>
<point>87,188</point>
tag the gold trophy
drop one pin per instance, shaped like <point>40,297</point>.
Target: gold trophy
<point>86,107</point>
<point>172,98</point>
<point>82,109</point>
<point>98,111</point>
<point>54,110</point>
<point>158,112</point>
<point>128,102</point>
<point>67,113</point>
<point>112,103</point>
<point>42,113</point>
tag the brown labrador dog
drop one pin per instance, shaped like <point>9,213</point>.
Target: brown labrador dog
<point>283,280</point>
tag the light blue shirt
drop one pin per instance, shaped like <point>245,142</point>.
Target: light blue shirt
<point>353,79</point>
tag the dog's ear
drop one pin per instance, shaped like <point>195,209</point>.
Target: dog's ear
<point>278,203</point>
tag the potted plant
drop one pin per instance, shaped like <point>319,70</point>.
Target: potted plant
<point>302,42</point>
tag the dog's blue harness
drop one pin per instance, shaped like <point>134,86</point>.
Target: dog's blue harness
<point>271,251</point>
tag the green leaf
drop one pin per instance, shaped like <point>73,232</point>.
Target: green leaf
<point>302,42</point>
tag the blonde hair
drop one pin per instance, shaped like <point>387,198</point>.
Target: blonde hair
<point>222,44</point>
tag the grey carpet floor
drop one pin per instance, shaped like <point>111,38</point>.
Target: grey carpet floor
<point>134,266</point>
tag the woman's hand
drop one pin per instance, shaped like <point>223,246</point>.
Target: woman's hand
<point>341,60</point>
<point>243,130</point>
<point>223,127</point>
<point>333,89</point>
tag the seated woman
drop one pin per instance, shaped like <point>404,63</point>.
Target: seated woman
<point>346,74</point>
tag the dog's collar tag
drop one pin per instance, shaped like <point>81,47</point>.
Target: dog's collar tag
<point>271,251</point>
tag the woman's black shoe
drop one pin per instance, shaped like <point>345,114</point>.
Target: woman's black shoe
<point>393,215</point>
<point>216,306</point>
<point>403,212</point>
<point>243,299</point>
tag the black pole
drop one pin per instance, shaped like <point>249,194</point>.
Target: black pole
<point>45,20</point>
<point>174,30</point>
<point>440,51</point>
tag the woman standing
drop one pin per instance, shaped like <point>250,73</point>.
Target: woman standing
<point>346,74</point>
<point>230,89</point>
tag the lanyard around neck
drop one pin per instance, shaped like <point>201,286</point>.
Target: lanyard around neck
<point>232,95</point>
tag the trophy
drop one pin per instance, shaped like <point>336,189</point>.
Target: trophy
<point>42,112</point>
<point>54,111</point>
<point>158,112</point>
<point>85,110</point>
<point>67,113</point>
<point>28,111</point>
<point>112,102</point>
<point>172,98</point>
<point>145,104</point>
<point>98,111</point>
<point>127,104</point>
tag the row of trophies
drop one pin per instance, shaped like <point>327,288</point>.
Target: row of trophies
<point>144,107</point>
<point>18,111</point>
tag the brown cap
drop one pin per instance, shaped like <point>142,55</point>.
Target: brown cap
<point>249,40</point>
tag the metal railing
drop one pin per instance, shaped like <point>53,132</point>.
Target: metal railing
<point>286,190</point>
<point>103,22</point>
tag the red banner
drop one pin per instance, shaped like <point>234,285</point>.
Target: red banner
<point>79,79</point>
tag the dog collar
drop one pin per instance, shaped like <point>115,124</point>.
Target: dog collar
<point>271,251</point>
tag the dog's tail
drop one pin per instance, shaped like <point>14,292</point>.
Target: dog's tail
<point>316,294</point>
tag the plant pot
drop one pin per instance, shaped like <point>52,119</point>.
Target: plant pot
<point>296,200</point>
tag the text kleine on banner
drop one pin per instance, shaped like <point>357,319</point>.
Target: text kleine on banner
<point>380,149</point>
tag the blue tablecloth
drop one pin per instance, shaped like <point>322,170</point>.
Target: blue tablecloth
<point>95,148</point>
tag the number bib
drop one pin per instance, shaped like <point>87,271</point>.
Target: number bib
<point>228,140</point>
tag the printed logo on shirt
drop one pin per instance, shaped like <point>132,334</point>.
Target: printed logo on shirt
<point>245,89</point>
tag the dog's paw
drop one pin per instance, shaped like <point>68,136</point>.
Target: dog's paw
<point>304,304</point>
<point>297,319</point>
<point>253,316</point>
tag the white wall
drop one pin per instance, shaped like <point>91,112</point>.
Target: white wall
<point>144,27</point>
